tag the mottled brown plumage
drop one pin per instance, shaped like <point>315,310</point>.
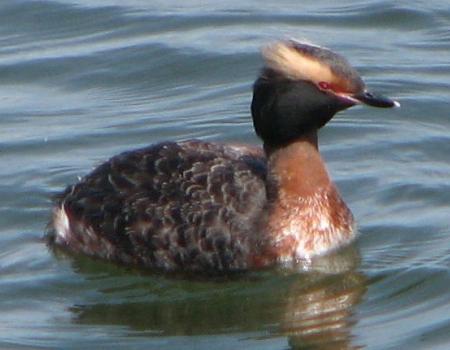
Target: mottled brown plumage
<point>173,206</point>
<point>199,206</point>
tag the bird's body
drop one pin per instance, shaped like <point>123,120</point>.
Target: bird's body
<point>198,206</point>
<point>187,205</point>
<point>195,205</point>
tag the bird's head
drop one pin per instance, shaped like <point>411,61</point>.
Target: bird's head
<point>301,87</point>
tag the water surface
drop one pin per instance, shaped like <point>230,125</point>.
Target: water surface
<point>83,80</point>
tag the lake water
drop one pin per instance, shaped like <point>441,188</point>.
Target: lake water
<point>83,80</point>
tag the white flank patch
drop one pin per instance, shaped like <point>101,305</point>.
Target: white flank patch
<point>61,223</point>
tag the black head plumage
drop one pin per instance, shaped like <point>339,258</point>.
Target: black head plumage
<point>300,89</point>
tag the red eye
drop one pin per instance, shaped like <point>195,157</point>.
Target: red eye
<point>324,85</point>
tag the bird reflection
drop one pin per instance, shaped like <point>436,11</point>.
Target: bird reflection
<point>312,306</point>
<point>321,315</point>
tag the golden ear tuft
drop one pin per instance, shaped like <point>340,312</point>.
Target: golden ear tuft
<point>297,65</point>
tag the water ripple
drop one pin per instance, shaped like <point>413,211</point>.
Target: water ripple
<point>83,80</point>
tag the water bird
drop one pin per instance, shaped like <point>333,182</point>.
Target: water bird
<point>208,207</point>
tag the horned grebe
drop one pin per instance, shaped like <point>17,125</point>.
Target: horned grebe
<point>200,206</point>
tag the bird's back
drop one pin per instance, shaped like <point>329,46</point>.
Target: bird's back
<point>188,205</point>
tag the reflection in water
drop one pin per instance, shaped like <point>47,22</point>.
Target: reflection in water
<point>321,314</point>
<point>313,309</point>
<point>317,314</point>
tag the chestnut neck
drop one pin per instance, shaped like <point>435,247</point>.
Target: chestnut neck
<point>297,170</point>
<point>306,215</point>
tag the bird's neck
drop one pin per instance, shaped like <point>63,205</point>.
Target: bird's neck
<point>297,169</point>
<point>307,216</point>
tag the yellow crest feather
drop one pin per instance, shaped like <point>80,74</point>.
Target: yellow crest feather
<point>295,64</point>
